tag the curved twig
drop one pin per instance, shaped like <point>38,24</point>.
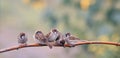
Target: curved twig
<point>66,45</point>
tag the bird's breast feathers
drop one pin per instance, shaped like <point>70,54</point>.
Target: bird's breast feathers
<point>53,36</point>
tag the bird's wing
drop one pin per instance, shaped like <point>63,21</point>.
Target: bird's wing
<point>47,35</point>
<point>73,38</point>
<point>60,36</point>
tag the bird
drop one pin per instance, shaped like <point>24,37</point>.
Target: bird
<point>41,39</point>
<point>61,41</point>
<point>55,36</point>
<point>22,39</point>
<point>69,39</point>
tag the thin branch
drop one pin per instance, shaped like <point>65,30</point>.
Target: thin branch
<point>66,45</point>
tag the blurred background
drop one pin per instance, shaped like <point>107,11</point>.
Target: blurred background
<point>97,20</point>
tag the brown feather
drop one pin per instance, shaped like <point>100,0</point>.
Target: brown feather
<point>47,35</point>
<point>73,38</point>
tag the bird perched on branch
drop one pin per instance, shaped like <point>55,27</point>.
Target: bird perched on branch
<point>22,39</point>
<point>39,36</point>
<point>69,39</point>
<point>55,36</point>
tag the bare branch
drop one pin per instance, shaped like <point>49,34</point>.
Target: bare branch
<point>66,45</point>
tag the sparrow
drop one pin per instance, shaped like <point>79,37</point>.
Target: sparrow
<point>61,41</point>
<point>69,39</point>
<point>41,39</point>
<point>55,36</point>
<point>22,39</point>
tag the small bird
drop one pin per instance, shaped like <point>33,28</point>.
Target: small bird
<point>22,39</point>
<point>39,36</point>
<point>69,39</point>
<point>55,36</point>
<point>61,41</point>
